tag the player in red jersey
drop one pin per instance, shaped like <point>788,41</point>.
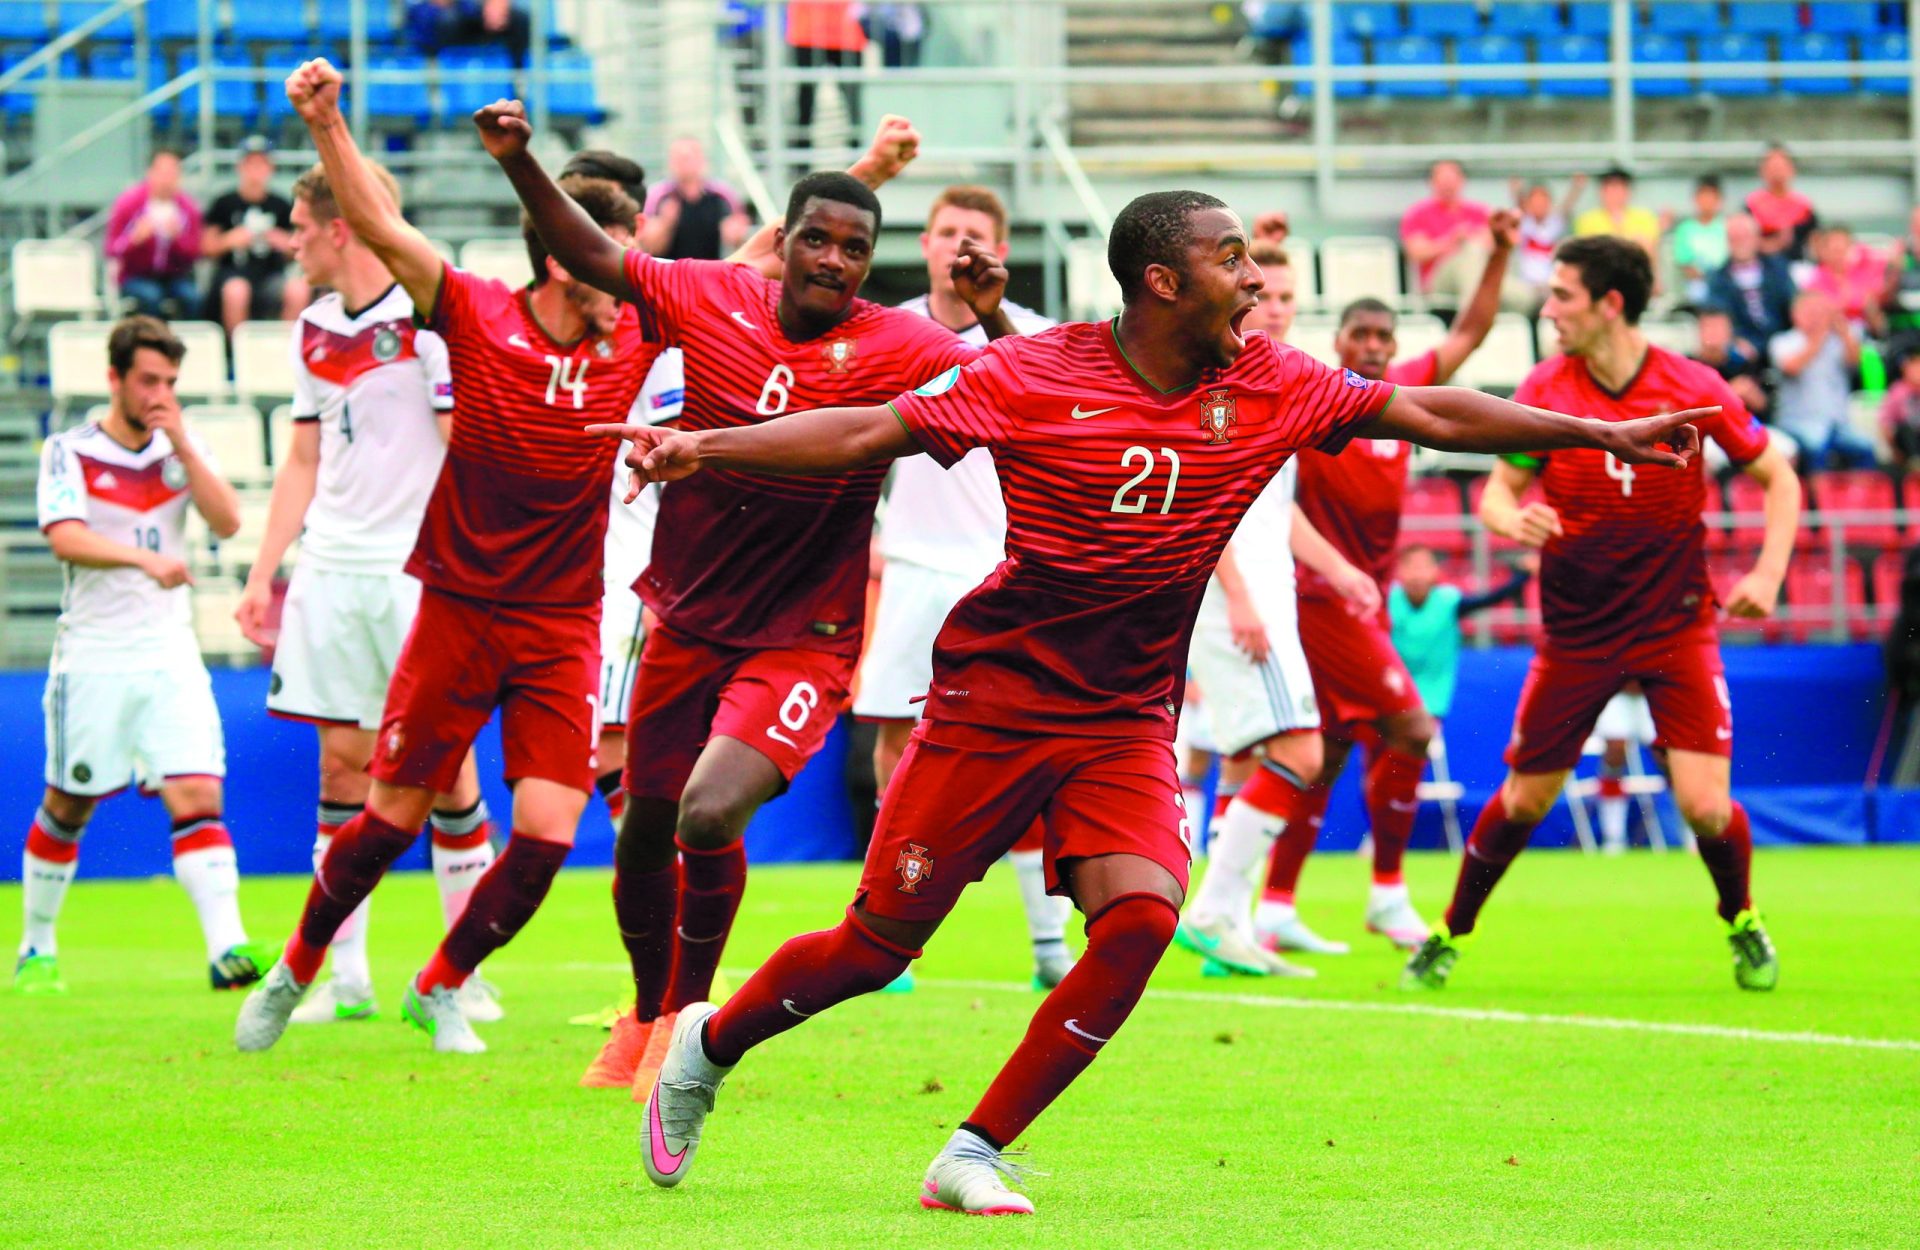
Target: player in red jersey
<point>1353,499</point>
<point>1128,452</point>
<point>509,552</point>
<point>758,580</point>
<point>1624,596</point>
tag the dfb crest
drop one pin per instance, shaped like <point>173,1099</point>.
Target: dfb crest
<point>1217,414</point>
<point>915,867</point>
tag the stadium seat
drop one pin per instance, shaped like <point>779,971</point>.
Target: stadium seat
<point>1747,497</point>
<point>1270,21</point>
<point>55,278</point>
<point>1527,19</point>
<point>1436,497</point>
<point>111,63</point>
<point>399,100</point>
<point>23,23</point>
<point>1910,500</point>
<point>77,360</point>
<point>279,62</point>
<point>1492,50</point>
<point>1734,48</point>
<point>262,360</point>
<point>570,87</point>
<point>505,259</point>
<point>1860,490</point>
<point>1093,293</point>
<point>1368,21</point>
<point>1891,46</point>
<point>446,250</point>
<point>1410,50</point>
<point>73,12</point>
<point>1346,51</point>
<point>1444,21</point>
<point>1845,19</point>
<point>1661,49</point>
<point>1314,336</point>
<point>203,374</point>
<point>1764,17</point>
<point>471,78</point>
<point>1810,600</point>
<point>1415,333</point>
<point>174,20</point>
<point>1887,572</point>
<point>233,99</point>
<point>264,21</point>
<point>336,21</point>
<point>1814,47</point>
<point>1573,50</point>
<point>1584,17</point>
<point>1359,265</point>
<point>1504,359</point>
<point>1682,19</point>
<point>21,103</point>
<point>236,434</point>
<point>1303,258</point>
<point>1676,334</point>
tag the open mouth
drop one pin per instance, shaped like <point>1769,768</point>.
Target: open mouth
<point>1236,324</point>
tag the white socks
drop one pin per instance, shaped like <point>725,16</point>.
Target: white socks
<point>348,950</point>
<point>1242,842</point>
<point>1613,821</point>
<point>1046,913</point>
<point>44,885</point>
<point>211,878</point>
<point>462,853</point>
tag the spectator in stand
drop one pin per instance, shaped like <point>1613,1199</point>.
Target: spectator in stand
<point>248,233</point>
<point>689,215</point>
<point>824,33</point>
<point>1785,216</point>
<point>1816,359</point>
<point>1900,413</point>
<point>900,28</point>
<point>1446,237</point>
<point>153,234</point>
<point>1900,291</point>
<point>1272,227</point>
<point>1736,362</point>
<point>1542,225</point>
<point>1426,613</point>
<point>1755,289</point>
<point>1852,277</point>
<point>1618,215</point>
<point>437,24</point>
<point>1700,242</point>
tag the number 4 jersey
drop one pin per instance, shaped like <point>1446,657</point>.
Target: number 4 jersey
<point>519,514</point>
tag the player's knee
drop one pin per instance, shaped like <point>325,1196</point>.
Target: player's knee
<point>1303,755</point>
<point>1527,800</point>
<point>71,810</point>
<point>709,821</point>
<point>193,796</point>
<point>1706,813</point>
<point>1134,928</point>
<point>1411,732</point>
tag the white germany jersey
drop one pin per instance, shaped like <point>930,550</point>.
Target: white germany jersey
<point>119,619</point>
<point>1263,551</point>
<point>630,529</point>
<point>374,383</point>
<point>953,520</point>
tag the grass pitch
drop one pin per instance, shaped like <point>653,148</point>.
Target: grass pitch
<point>1338,1112</point>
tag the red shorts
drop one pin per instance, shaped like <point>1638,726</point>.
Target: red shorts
<point>1357,675</point>
<point>781,702</point>
<point>964,795</point>
<point>463,658</point>
<point>1685,684</point>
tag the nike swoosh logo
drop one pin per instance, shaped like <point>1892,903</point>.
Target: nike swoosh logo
<point>666,1162</point>
<point>742,319</point>
<point>1723,734</point>
<point>788,1004</point>
<point>1080,414</point>
<point>517,341</point>
<point>1073,1026</point>
<point>1403,807</point>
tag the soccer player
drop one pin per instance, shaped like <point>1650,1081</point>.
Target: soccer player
<point>1354,500</point>
<point>128,697</point>
<point>1624,596</point>
<point>941,533</point>
<point>1128,452</point>
<point>509,551</point>
<point>761,594</point>
<point>372,406</point>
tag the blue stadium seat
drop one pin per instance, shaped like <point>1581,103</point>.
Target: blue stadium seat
<point>471,78</point>
<point>18,103</point>
<point>1589,19</point>
<point>400,101</point>
<point>258,21</point>
<point>1345,52</point>
<point>1573,50</point>
<point>1658,49</point>
<point>1367,21</point>
<point>1889,46</point>
<point>232,100</point>
<point>280,61</point>
<point>1271,20</point>
<point>1492,50</point>
<point>1762,18</point>
<point>176,19</point>
<point>1846,19</point>
<point>336,20</point>
<point>73,12</point>
<point>1444,21</point>
<point>570,90</point>
<point>1527,19</point>
<point>1817,47</point>
<point>23,22</point>
<point>111,64</point>
<point>1683,19</point>
<point>1410,50</point>
<point>1721,49</point>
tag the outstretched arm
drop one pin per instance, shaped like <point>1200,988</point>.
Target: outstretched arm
<point>571,237</point>
<point>314,90</point>
<point>1471,326</point>
<point>1453,418</point>
<point>806,444</point>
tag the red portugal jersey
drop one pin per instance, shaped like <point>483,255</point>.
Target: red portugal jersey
<point>519,514</point>
<point>759,560</point>
<point>1632,564</point>
<point>1354,497</point>
<point>1120,498</point>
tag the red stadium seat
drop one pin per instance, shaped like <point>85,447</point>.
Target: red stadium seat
<point>1718,537</point>
<point>1810,599</point>
<point>1860,490</point>
<point>1437,497</point>
<point>1910,500</point>
<point>1887,571</point>
<point>1744,495</point>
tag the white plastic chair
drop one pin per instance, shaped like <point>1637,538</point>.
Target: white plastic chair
<point>1093,294</point>
<point>1677,334</point>
<point>1504,359</point>
<point>505,259</point>
<point>234,434</point>
<point>1418,332</point>
<point>262,359</point>
<point>55,278</point>
<point>77,360</point>
<point>203,371</point>
<point>1356,266</point>
<point>1313,334</point>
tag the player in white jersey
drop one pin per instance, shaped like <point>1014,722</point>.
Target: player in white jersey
<point>1626,721</point>
<point>1256,691</point>
<point>941,533</point>
<point>128,698</point>
<point>372,404</point>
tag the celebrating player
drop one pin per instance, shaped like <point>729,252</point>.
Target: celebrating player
<point>128,697</point>
<point>761,593</point>
<point>1354,499</point>
<point>1128,452</point>
<point>510,551</point>
<point>1624,596</point>
<point>371,404</point>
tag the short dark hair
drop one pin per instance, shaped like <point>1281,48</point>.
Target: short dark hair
<point>1365,304</point>
<point>1416,548</point>
<point>1269,255</point>
<point>610,167</point>
<point>1153,230</point>
<point>1607,263</point>
<point>830,185</point>
<point>603,201</point>
<point>135,333</point>
<point>1616,173</point>
<point>1707,182</point>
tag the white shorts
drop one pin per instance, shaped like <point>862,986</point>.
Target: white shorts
<point>623,628</point>
<point>1626,718</point>
<point>1246,703</point>
<point>340,637</point>
<point>106,731</point>
<point>898,666</point>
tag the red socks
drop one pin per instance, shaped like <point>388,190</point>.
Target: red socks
<point>1729,861</point>
<point>1490,848</point>
<point>1295,843</point>
<point>502,903</point>
<point>362,851</point>
<point>803,978</point>
<point>1392,789</point>
<point>1124,943</point>
<point>643,905</point>
<point>711,883</point>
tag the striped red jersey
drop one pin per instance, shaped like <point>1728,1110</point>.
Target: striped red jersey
<point>1354,498</point>
<point>1632,564</point>
<point>1120,498</point>
<point>755,559</point>
<point>519,514</point>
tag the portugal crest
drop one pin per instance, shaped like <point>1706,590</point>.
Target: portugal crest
<point>1217,414</point>
<point>914,866</point>
<point>838,355</point>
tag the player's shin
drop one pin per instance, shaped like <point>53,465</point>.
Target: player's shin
<point>1728,856</point>
<point>804,977</point>
<point>1392,786</point>
<point>205,865</point>
<point>712,882</point>
<point>348,950</point>
<point>502,903</point>
<point>47,868</point>
<point>462,852</point>
<point>1492,846</point>
<point>360,855</point>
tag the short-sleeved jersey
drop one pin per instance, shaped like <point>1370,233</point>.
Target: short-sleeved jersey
<point>1632,563</point>
<point>375,384</point>
<point>119,619</point>
<point>759,560</point>
<point>1120,498</point>
<point>630,525</point>
<point>1354,498</point>
<point>519,514</point>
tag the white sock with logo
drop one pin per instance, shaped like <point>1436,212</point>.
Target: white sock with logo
<point>1244,837</point>
<point>461,855</point>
